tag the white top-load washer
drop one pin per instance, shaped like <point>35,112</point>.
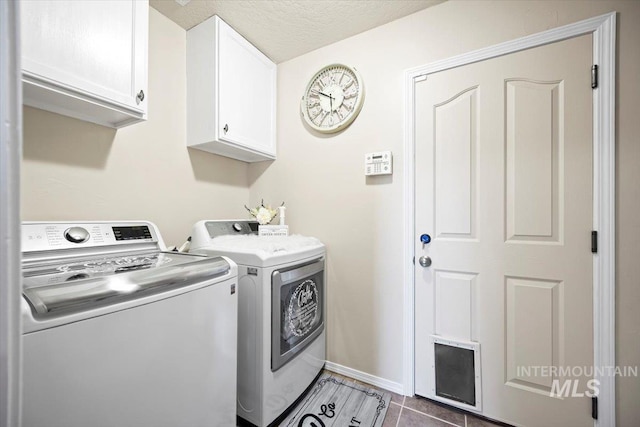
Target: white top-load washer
<point>281,312</point>
<point>117,332</point>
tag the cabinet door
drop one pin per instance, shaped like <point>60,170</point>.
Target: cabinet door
<point>95,48</point>
<point>246,107</point>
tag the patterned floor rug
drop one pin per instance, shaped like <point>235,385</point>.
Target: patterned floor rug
<point>338,402</point>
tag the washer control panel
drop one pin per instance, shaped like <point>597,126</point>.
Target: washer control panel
<point>60,235</point>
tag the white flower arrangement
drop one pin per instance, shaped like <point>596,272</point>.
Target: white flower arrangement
<point>263,214</point>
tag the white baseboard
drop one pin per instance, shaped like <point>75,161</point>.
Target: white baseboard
<point>364,377</point>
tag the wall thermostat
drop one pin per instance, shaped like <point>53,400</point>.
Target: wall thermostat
<point>379,163</point>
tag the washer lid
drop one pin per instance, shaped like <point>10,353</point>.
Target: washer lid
<point>83,283</point>
<point>264,251</point>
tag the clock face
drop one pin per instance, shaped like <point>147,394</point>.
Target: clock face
<point>333,98</point>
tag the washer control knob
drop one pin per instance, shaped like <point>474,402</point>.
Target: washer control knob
<point>237,227</point>
<point>76,235</point>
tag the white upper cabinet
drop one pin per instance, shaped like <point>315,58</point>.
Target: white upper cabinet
<point>86,59</point>
<point>231,92</point>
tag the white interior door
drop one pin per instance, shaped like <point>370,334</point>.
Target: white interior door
<point>504,189</point>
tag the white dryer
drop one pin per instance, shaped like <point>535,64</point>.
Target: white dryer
<point>281,313</point>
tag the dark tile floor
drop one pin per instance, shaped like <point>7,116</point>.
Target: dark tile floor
<point>407,411</point>
<point>416,411</point>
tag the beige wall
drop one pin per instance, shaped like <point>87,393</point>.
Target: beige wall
<point>360,219</point>
<point>77,170</point>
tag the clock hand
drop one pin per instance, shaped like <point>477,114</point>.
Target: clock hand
<point>327,95</point>
<point>323,94</point>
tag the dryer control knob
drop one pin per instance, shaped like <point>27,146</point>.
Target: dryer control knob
<point>237,227</point>
<point>76,235</point>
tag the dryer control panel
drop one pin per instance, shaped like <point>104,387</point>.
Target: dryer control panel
<point>231,227</point>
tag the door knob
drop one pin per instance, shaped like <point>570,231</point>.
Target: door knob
<point>424,261</point>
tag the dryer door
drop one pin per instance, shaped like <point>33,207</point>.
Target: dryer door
<point>297,310</point>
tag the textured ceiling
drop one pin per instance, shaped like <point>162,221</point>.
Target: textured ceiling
<point>284,29</point>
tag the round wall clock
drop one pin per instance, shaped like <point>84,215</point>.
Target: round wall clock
<point>333,98</point>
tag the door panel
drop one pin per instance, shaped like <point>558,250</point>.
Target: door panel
<point>455,304</point>
<point>533,335</point>
<point>455,138</point>
<point>504,186</point>
<point>533,144</point>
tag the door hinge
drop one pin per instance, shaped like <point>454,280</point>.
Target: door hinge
<point>594,241</point>
<point>420,78</point>
<point>594,76</point>
<point>594,408</point>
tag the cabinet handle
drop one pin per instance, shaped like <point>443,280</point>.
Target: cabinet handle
<point>140,97</point>
<point>226,128</point>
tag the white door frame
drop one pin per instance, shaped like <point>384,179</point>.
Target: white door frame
<point>10,157</point>
<point>603,29</point>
